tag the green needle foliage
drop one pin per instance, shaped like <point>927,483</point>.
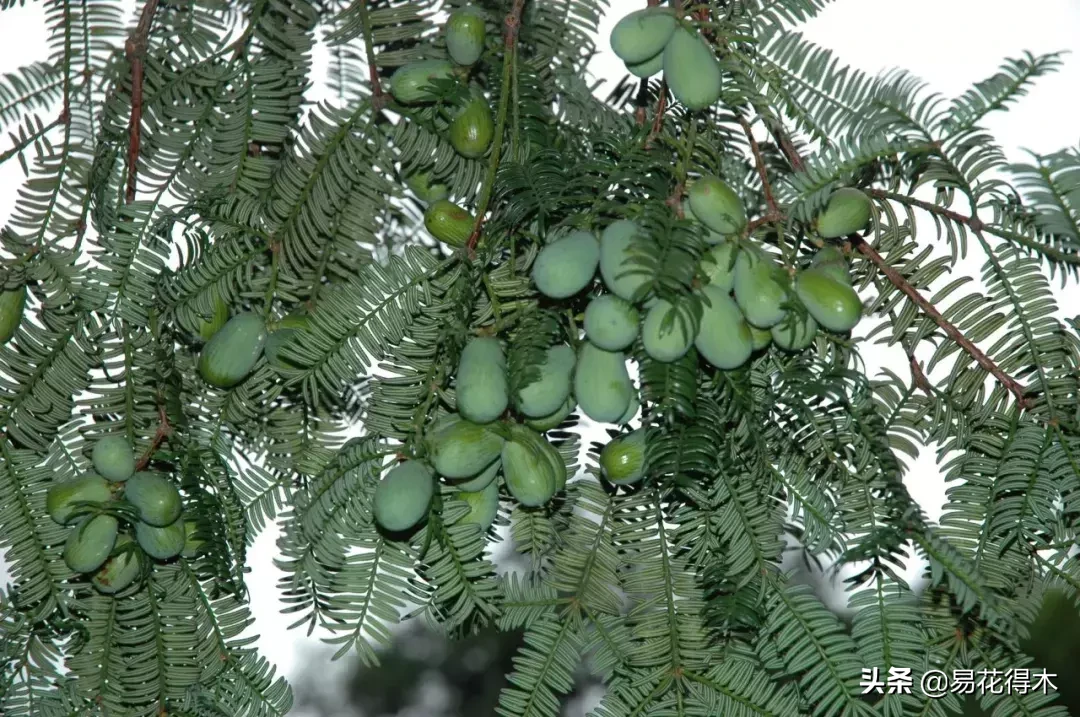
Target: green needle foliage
<point>176,168</point>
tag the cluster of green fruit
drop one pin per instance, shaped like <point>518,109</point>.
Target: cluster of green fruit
<point>654,39</point>
<point>96,504</point>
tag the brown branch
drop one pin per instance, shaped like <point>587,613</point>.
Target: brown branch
<point>918,376</point>
<point>788,148</point>
<point>164,430</point>
<point>773,214</point>
<point>658,117</point>
<point>378,96</point>
<point>135,49</point>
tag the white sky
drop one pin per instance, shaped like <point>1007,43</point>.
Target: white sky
<point>949,43</point>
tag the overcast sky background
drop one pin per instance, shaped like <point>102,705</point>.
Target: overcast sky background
<point>949,43</point>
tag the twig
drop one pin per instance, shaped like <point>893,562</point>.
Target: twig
<point>378,96</point>
<point>135,49</point>
<point>787,148</point>
<point>511,25</point>
<point>918,376</point>
<point>658,118</point>
<point>164,430</point>
<point>773,213</point>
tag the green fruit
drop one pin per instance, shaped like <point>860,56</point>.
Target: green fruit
<point>830,260</point>
<point>482,479</point>
<point>546,423</point>
<point>691,70</point>
<point>482,390</point>
<point>648,68</point>
<point>761,337</point>
<point>527,470</point>
<point>210,326</point>
<point>833,304</point>
<point>121,569</point>
<point>550,390</point>
<point>665,333</point>
<point>483,506</point>
<point>288,330</point>
<point>554,459</point>
<point>642,34</point>
<point>847,212</point>
<point>403,496</point>
<point>12,304</point>
<point>414,83</point>
<point>724,339</point>
<point>161,543</point>
<point>62,498</point>
<point>622,460</point>
<point>465,33</point>
<point>425,191</point>
<point>232,353</point>
<point>155,497</point>
<point>113,458</point>
<point>617,267</point>
<point>717,206</point>
<point>760,289</point>
<point>449,223</point>
<point>193,542</point>
<point>90,542</point>
<point>602,384</point>
<point>565,266</point>
<point>461,449</point>
<point>611,323</point>
<point>472,130</point>
<point>631,411</point>
<point>718,265</point>
<point>794,333</point>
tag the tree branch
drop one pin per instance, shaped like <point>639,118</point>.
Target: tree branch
<point>135,49</point>
<point>164,430</point>
<point>378,96</point>
<point>773,212</point>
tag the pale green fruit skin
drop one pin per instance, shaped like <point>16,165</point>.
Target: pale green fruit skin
<point>631,410</point>
<point>718,266</point>
<point>462,449</point>
<point>611,322</point>
<point>716,205</point>
<point>665,344</point>
<point>161,542</point>
<point>60,498</point>
<point>120,570</point>
<point>546,423</point>
<point>483,393</point>
<point>690,68</point>
<point>403,496</point>
<point>549,392</point>
<point>113,458</point>
<point>288,330</point>
<point>642,35</point>
<point>472,130</point>
<point>449,223</point>
<point>465,35</point>
<point>648,68</point>
<point>833,304</point>
<point>425,191</point>
<point>193,543</point>
<point>602,384</point>
<point>622,460</point>
<point>209,327</point>
<point>527,471</point>
<point>620,275</point>
<point>847,212</point>
<point>155,497</point>
<point>483,505</point>
<point>761,337</point>
<point>724,339</point>
<point>232,353</point>
<point>793,333</point>
<point>554,459</point>
<point>482,479</point>
<point>90,542</point>
<point>831,261</point>
<point>12,305</point>
<point>412,83</point>
<point>567,265</point>
<point>758,290</point>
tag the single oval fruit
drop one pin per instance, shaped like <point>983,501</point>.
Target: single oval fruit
<point>716,205</point>
<point>62,499</point>
<point>566,265</point>
<point>449,223</point>
<point>414,83</point>
<point>121,569</point>
<point>482,479</point>
<point>622,460</point>
<point>527,471</point>
<point>847,212</point>
<point>794,333</point>
<point>210,325</point>
<point>193,540</point>
<point>90,542</point>
<point>602,384</point>
<point>718,266</point>
<point>12,305</point>
<point>546,423</point>
<point>482,390</point>
<point>759,289</point>
<point>161,542</point>
<point>465,35</point>
<point>232,353</point>
<point>554,459</point>
<point>631,410</point>
<point>291,328</point>
<point>830,260</point>
<point>648,68</point>
<point>550,390</point>
<point>724,339</point>
<point>483,505</point>
<point>642,34</point>
<point>611,323</point>
<point>421,185</point>
<point>690,68</point>
<point>155,497</point>
<point>472,130</point>
<point>113,458</point>
<point>833,304</point>
<point>761,337</point>
<point>665,333</point>
<point>618,269</point>
<point>403,496</point>
<point>461,449</point>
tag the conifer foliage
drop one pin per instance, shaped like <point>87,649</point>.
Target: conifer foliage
<point>466,257</point>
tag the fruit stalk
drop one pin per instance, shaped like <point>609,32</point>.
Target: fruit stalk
<point>135,49</point>
<point>163,431</point>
